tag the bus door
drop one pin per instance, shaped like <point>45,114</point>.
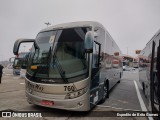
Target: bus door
<point>155,79</point>
<point>95,73</point>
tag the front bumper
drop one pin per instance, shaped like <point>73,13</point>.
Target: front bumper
<point>81,103</point>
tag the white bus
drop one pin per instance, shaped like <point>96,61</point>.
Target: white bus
<point>18,62</point>
<point>135,64</point>
<point>149,72</point>
<point>72,66</point>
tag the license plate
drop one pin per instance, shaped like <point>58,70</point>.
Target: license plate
<point>47,103</point>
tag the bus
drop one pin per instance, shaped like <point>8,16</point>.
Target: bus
<point>16,66</point>
<point>136,62</point>
<point>19,62</point>
<point>71,66</point>
<point>149,73</point>
<point>127,62</point>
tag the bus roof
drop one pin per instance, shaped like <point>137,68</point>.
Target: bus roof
<point>150,41</point>
<point>73,24</point>
<point>155,35</point>
<point>79,24</point>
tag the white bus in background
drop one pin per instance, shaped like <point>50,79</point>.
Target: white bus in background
<point>72,66</point>
<point>19,63</point>
<point>149,73</point>
<point>16,66</point>
<point>136,64</point>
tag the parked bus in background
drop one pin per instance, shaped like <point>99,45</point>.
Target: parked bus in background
<point>19,60</point>
<point>136,60</point>
<point>71,66</point>
<point>17,64</point>
<point>149,72</point>
<point>127,61</point>
<point>136,63</point>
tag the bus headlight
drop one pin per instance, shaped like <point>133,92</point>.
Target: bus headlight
<point>76,94</point>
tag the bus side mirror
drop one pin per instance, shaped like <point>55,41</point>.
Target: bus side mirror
<point>88,42</point>
<point>18,42</point>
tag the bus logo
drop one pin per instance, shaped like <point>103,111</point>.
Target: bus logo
<point>35,87</point>
<point>6,114</point>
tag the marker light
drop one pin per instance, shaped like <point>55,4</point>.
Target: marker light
<point>34,67</point>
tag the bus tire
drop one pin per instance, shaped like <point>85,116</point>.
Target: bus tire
<point>144,89</point>
<point>119,79</point>
<point>107,83</point>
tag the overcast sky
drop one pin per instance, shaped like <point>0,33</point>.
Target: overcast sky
<point>131,23</point>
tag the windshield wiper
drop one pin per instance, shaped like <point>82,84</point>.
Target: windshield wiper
<point>48,60</point>
<point>58,65</point>
<point>60,69</point>
<point>36,47</point>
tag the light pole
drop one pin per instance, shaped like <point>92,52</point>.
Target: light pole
<point>47,24</point>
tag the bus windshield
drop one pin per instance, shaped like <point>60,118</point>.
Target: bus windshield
<point>17,62</point>
<point>60,56</point>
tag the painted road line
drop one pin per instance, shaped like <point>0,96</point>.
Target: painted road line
<point>143,107</point>
<point>8,74</point>
<point>15,77</point>
<point>104,106</point>
<point>21,83</point>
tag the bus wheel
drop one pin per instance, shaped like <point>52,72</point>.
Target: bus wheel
<point>143,87</point>
<point>119,78</point>
<point>144,90</point>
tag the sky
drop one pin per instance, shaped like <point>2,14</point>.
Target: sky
<point>131,23</point>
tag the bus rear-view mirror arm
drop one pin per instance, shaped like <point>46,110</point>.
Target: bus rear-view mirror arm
<point>88,46</point>
<point>19,41</point>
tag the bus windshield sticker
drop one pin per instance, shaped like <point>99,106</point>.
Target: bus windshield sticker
<point>51,40</point>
